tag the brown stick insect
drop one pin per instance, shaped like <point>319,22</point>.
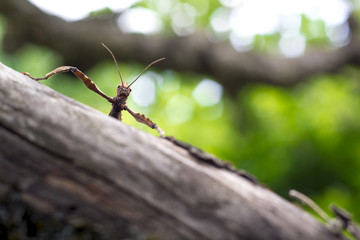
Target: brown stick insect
<point>122,93</point>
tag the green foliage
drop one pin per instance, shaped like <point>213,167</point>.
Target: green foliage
<point>173,11</point>
<point>314,31</point>
<point>101,12</point>
<point>305,138</point>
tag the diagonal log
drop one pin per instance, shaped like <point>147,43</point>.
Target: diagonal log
<point>62,158</point>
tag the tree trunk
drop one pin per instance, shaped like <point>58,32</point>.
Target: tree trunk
<point>65,164</point>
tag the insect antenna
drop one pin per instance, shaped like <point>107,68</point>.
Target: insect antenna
<point>117,66</point>
<point>160,59</point>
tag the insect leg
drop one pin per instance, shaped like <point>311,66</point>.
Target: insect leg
<point>53,72</point>
<point>142,119</point>
<point>85,79</point>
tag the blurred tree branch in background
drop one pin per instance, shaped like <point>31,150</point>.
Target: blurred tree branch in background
<point>193,53</point>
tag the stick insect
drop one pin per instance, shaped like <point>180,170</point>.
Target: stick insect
<point>122,93</point>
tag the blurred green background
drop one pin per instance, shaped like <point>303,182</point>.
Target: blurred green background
<point>304,137</point>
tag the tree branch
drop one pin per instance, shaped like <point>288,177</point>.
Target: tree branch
<point>79,44</point>
<point>61,157</point>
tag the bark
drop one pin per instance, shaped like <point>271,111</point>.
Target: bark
<point>79,44</point>
<point>69,165</point>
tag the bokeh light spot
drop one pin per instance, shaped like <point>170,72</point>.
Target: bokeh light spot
<point>179,109</point>
<point>208,92</point>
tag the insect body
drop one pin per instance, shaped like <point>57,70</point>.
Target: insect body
<point>122,93</point>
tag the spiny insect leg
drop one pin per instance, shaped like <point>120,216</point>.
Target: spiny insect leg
<point>85,79</point>
<point>53,72</point>
<point>142,119</point>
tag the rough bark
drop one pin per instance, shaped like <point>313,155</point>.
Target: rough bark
<point>194,53</point>
<point>67,162</point>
